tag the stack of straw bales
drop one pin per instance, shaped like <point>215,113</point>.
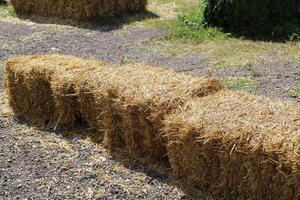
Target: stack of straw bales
<point>129,102</point>
<point>132,101</point>
<point>78,9</point>
<point>43,89</point>
<point>235,145</point>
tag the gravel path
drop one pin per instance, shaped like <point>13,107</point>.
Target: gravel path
<point>46,165</point>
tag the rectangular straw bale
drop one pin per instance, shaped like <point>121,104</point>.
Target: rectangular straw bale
<point>36,89</point>
<point>29,91</point>
<point>65,88</point>
<point>78,9</point>
<point>237,146</point>
<point>132,100</point>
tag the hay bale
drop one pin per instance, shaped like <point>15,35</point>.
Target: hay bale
<point>65,88</point>
<point>29,91</point>
<point>38,87</point>
<point>131,101</point>
<point>237,146</point>
<point>93,98</point>
<point>78,9</point>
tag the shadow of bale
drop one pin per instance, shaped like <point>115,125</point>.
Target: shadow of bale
<point>101,23</point>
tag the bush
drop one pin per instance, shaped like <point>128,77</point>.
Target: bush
<point>255,18</point>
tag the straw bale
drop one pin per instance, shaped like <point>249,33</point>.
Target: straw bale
<point>131,101</point>
<point>29,91</point>
<point>65,88</point>
<point>78,9</point>
<point>93,98</point>
<point>40,87</point>
<point>237,146</point>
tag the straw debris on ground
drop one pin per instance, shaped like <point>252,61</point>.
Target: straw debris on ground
<point>236,145</point>
<point>78,9</point>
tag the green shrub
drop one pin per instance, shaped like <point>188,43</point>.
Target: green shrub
<point>255,18</point>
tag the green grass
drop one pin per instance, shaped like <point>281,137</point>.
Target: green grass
<point>7,11</point>
<point>5,44</point>
<point>295,91</point>
<point>244,84</point>
<point>191,26</point>
<point>254,73</point>
<point>182,18</point>
<point>187,35</point>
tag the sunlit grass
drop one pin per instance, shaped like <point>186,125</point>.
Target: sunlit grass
<point>7,11</point>
<point>243,84</point>
<point>295,91</point>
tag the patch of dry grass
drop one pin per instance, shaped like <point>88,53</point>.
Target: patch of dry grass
<point>7,11</point>
<point>295,91</point>
<point>244,84</point>
<point>5,110</point>
<point>228,53</point>
<point>167,12</point>
<point>170,9</point>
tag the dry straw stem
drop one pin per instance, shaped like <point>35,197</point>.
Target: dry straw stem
<point>78,9</point>
<point>41,88</point>
<point>236,145</point>
<point>132,101</point>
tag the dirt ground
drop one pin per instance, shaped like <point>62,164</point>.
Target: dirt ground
<point>37,164</point>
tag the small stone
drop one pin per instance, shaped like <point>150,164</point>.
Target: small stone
<point>53,49</point>
<point>103,159</point>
